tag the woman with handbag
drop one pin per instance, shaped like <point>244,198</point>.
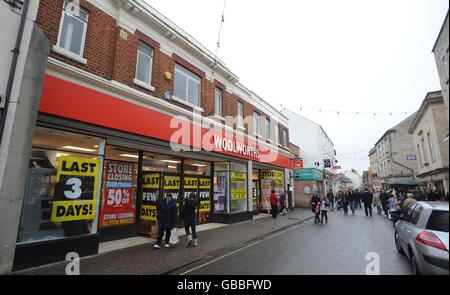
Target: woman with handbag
<point>167,216</point>
<point>188,214</point>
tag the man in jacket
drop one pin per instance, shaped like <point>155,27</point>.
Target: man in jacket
<point>330,197</point>
<point>167,216</point>
<point>367,198</point>
<point>274,203</point>
<point>189,213</point>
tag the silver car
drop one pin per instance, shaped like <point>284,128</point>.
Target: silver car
<point>422,235</point>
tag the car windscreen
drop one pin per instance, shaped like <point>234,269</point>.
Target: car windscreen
<point>438,221</point>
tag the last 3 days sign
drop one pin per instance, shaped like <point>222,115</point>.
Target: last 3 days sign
<point>75,192</point>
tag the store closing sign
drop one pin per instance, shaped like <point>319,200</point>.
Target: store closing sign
<point>117,206</point>
<point>75,192</point>
<point>204,189</point>
<point>150,195</point>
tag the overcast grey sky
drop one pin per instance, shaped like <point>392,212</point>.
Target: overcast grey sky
<point>347,55</point>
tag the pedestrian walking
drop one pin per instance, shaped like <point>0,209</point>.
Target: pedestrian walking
<point>330,198</point>
<point>324,209</point>
<point>367,199</point>
<point>358,198</point>
<point>283,209</point>
<point>352,201</point>
<point>274,203</point>
<point>377,201</point>
<point>166,216</point>
<point>384,202</point>
<point>189,213</point>
<point>410,200</point>
<point>345,201</point>
<point>394,207</point>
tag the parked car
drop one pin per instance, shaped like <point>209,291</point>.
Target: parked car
<point>422,235</point>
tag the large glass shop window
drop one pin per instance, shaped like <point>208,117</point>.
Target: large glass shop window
<point>197,180</point>
<point>62,186</point>
<point>238,188</point>
<point>271,180</point>
<point>118,198</point>
<point>230,187</point>
<point>221,187</point>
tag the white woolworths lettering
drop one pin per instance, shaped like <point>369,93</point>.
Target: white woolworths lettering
<point>246,284</point>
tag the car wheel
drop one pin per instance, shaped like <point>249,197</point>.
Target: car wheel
<point>397,243</point>
<point>414,268</point>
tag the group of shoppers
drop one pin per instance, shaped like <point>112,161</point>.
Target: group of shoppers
<point>167,217</point>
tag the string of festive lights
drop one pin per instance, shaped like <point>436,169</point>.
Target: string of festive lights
<point>222,20</point>
<point>344,112</point>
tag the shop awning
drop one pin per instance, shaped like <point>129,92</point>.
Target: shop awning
<point>411,182</point>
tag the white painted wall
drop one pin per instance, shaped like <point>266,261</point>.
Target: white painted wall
<point>314,143</point>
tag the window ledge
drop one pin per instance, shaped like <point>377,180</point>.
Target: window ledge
<point>257,135</point>
<point>219,117</point>
<point>269,140</point>
<point>143,85</point>
<point>179,100</point>
<point>242,128</point>
<point>279,145</point>
<point>68,54</point>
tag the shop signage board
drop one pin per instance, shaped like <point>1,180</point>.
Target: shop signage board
<point>297,163</point>
<point>308,174</point>
<point>150,195</point>
<point>327,163</point>
<point>117,205</point>
<point>76,187</point>
<point>411,157</point>
<point>239,179</point>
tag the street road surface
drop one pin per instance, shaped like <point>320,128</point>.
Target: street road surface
<point>337,248</point>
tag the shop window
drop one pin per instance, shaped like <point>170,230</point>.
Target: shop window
<point>161,163</point>
<point>62,186</point>
<point>73,27</point>
<point>197,167</point>
<point>238,188</point>
<point>187,86</point>
<point>119,186</point>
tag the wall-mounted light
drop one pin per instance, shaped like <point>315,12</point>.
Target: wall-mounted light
<point>168,75</point>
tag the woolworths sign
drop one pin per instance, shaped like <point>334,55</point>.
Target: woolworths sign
<point>228,145</point>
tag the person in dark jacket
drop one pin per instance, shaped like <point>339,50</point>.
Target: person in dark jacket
<point>345,201</point>
<point>188,213</point>
<point>330,197</point>
<point>352,200</point>
<point>367,198</point>
<point>358,198</point>
<point>384,202</point>
<point>167,217</point>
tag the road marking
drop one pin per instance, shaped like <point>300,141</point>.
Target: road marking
<point>238,250</point>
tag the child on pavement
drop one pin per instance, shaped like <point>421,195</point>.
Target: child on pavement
<point>317,211</point>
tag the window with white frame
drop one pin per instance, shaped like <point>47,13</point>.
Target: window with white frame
<point>277,134</point>
<point>72,29</point>
<point>144,63</point>
<point>267,128</point>
<point>285,138</point>
<point>256,123</point>
<point>430,145</point>
<point>187,85</point>
<point>218,102</point>
<point>240,114</point>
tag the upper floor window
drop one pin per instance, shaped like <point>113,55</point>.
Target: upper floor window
<point>187,85</point>
<point>256,123</point>
<point>430,145</point>
<point>285,138</point>
<point>72,29</point>
<point>144,63</point>
<point>267,128</point>
<point>277,134</point>
<point>240,114</point>
<point>218,102</point>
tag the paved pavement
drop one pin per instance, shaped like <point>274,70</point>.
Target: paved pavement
<point>143,259</point>
<point>337,248</point>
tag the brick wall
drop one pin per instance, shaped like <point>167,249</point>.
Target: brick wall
<point>111,53</point>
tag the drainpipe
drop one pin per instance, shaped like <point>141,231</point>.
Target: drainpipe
<point>12,71</point>
<point>393,161</point>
